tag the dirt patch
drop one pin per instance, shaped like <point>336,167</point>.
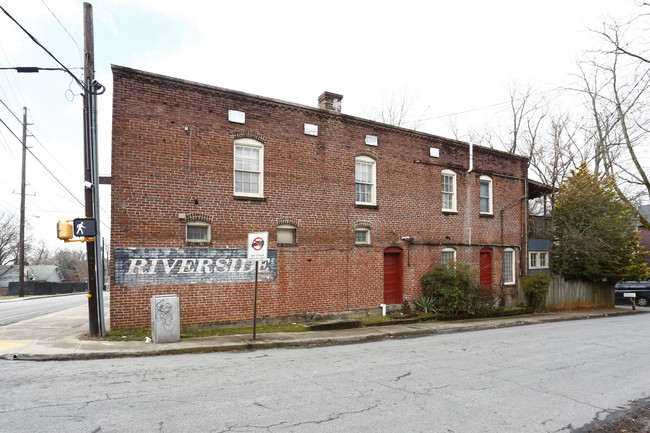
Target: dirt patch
<point>635,420</point>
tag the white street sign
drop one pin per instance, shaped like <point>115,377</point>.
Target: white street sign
<point>258,246</point>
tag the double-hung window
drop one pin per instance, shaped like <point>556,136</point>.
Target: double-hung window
<point>448,188</point>
<point>448,257</point>
<point>249,168</point>
<point>365,175</point>
<point>508,266</point>
<point>485,192</point>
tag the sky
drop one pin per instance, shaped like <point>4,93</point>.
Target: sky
<point>455,60</point>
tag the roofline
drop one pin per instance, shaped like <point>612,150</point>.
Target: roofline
<point>129,70</point>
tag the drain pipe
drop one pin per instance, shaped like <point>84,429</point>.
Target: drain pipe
<point>383,309</point>
<point>471,157</point>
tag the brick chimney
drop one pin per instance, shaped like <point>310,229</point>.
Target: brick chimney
<point>330,101</point>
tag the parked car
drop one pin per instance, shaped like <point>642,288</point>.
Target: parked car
<point>640,288</point>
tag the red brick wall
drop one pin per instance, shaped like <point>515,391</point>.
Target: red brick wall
<point>160,170</point>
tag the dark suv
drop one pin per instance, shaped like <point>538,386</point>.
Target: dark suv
<point>640,288</point>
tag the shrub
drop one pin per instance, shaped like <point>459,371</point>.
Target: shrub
<point>536,287</point>
<point>425,304</point>
<point>452,287</point>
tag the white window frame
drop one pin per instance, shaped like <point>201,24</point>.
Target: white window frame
<point>373,182</point>
<point>452,193</point>
<point>286,228</point>
<point>443,253</point>
<point>490,196</point>
<point>511,268</point>
<point>208,237</point>
<point>250,144</point>
<point>364,230</point>
<point>534,260</point>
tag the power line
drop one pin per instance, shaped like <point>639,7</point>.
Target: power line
<point>43,165</point>
<point>66,30</point>
<point>77,80</point>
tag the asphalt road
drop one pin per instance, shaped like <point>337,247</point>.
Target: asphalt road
<point>555,377</point>
<point>18,309</point>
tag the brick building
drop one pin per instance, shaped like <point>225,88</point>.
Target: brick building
<point>357,211</point>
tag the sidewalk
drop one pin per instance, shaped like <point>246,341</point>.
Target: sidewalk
<point>56,336</point>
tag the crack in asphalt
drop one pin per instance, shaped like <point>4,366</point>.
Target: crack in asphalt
<point>332,417</point>
<point>402,376</point>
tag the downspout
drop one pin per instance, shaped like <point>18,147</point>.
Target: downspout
<point>469,170</point>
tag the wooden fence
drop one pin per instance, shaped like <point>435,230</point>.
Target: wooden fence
<point>564,295</point>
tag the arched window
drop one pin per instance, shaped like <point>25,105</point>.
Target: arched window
<point>448,256</point>
<point>365,176</point>
<point>249,168</point>
<point>448,189</point>
<point>485,192</point>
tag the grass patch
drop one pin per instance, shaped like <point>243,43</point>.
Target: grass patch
<point>142,333</point>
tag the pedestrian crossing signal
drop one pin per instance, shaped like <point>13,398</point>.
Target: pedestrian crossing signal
<point>64,230</point>
<point>85,227</point>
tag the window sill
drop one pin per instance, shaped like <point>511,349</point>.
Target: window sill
<point>449,212</point>
<point>248,198</point>
<point>287,245</point>
<point>366,206</point>
<point>198,244</point>
<point>486,215</point>
<point>362,245</point>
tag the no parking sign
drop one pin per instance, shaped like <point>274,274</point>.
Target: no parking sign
<point>258,246</point>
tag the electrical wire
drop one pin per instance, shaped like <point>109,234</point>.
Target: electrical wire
<point>66,30</point>
<point>43,165</point>
<point>77,80</point>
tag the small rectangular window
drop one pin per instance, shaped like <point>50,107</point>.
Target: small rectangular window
<point>286,234</point>
<point>362,236</point>
<point>197,231</point>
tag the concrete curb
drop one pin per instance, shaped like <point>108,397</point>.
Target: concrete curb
<point>85,350</point>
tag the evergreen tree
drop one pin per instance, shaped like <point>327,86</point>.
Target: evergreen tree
<point>595,233</point>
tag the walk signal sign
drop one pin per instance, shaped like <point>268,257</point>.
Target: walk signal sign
<point>85,227</point>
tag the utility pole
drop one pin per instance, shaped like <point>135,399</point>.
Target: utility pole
<point>91,176</point>
<point>21,258</point>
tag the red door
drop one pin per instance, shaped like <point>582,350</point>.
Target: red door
<point>485,274</point>
<point>392,276</point>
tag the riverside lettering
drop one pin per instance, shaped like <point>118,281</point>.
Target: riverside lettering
<point>135,266</point>
<point>193,266</point>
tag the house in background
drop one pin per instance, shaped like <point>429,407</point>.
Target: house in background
<point>356,211</point>
<point>540,232</point>
<point>37,274</point>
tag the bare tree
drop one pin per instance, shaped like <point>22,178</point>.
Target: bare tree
<point>399,109</point>
<point>611,32</point>
<point>9,238</point>
<point>617,87</point>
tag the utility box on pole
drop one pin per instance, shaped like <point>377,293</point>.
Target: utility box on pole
<point>165,319</point>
